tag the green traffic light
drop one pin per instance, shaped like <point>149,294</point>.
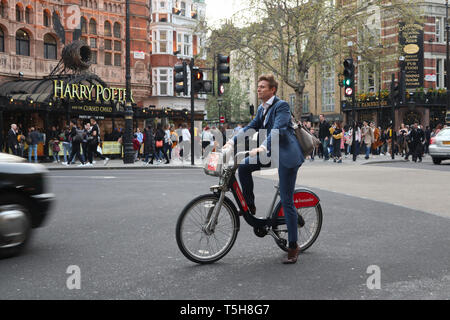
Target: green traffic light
<point>347,82</point>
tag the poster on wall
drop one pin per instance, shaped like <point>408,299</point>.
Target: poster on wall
<point>411,45</point>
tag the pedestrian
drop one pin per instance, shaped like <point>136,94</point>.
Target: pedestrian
<point>76,136</point>
<point>274,111</point>
<point>34,141</point>
<point>97,141</point>
<point>324,136</point>
<point>337,135</point>
<point>208,139</point>
<point>85,142</point>
<point>64,136</point>
<point>159,142</point>
<point>185,141</point>
<point>427,139</point>
<point>401,140</point>
<point>11,140</point>
<point>149,145</point>
<point>140,137</point>
<point>417,142</point>
<point>167,142</point>
<point>136,146</point>
<point>367,138</point>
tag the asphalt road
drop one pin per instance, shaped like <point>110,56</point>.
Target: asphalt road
<point>118,227</point>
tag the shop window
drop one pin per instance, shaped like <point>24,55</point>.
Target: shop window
<point>108,29</point>
<point>22,43</point>
<point>92,27</point>
<point>49,47</point>
<point>117,30</point>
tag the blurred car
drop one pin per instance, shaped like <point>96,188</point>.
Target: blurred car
<point>24,202</point>
<point>440,146</point>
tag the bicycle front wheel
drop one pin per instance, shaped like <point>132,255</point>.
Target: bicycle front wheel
<point>194,241</point>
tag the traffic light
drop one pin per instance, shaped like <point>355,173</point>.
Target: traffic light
<point>200,85</point>
<point>181,82</point>
<point>223,68</point>
<point>349,77</point>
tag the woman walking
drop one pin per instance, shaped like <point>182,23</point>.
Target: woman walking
<point>337,138</point>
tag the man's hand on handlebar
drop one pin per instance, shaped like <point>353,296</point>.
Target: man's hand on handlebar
<point>255,151</point>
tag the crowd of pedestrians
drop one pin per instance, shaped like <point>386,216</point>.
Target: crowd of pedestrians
<point>164,143</point>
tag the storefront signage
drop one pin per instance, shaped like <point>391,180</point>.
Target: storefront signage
<point>411,42</point>
<point>382,103</point>
<point>94,93</point>
<point>97,109</point>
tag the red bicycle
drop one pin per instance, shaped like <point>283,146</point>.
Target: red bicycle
<point>208,225</point>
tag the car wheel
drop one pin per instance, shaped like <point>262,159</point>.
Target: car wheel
<point>437,161</point>
<point>15,224</point>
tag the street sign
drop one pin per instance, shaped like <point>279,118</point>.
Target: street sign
<point>348,91</point>
<point>222,119</point>
<point>430,77</point>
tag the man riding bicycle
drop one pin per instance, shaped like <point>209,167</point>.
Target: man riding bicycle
<point>274,115</point>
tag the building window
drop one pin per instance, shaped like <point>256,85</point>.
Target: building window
<point>28,15</point>
<point>438,29</point>
<point>49,47</point>
<point>108,29</point>
<point>108,45</point>
<point>292,101</point>
<point>92,27</point>
<point>441,73</point>
<point>22,43</point>
<point>184,44</point>
<point>161,43</point>
<point>162,81</point>
<point>19,14</point>
<point>108,59</point>
<point>94,57</point>
<point>327,87</point>
<point>183,8</point>
<point>2,41</point>
<point>117,30</point>
<point>305,108</point>
<point>46,19</point>
<point>117,46</point>
<point>117,59</point>
<point>93,43</point>
<point>3,9</point>
<point>83,25</point>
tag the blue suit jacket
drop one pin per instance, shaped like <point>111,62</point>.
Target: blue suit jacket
<point>277,124</point>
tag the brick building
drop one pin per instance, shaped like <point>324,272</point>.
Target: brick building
<point>30,48</point>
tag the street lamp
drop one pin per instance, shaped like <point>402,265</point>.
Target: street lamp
<point>128,157</point>
<point>447,29</point>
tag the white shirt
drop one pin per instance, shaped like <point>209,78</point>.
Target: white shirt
<point>266,106</point>
<point>186,134</point>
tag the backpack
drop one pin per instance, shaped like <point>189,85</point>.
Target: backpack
<point>79,136</point>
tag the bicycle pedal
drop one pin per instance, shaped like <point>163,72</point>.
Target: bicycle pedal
<point>301,221</point>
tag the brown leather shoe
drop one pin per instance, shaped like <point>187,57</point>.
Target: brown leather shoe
<point>292,256</point>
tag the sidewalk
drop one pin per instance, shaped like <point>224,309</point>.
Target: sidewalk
<point>177,164</point>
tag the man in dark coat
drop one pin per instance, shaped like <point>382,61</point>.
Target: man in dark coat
<point>324,135</point>
<point>11,140</point>
<point>417,141</point>
<point>149,144</point>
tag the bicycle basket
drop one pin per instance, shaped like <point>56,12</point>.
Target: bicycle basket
<point>214,164</point>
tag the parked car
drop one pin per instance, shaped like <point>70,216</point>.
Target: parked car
<point>24,202</point>
<point>440,146</point>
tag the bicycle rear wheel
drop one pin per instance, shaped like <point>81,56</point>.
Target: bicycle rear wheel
<point>193,239</point>
<point>308,233</point>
